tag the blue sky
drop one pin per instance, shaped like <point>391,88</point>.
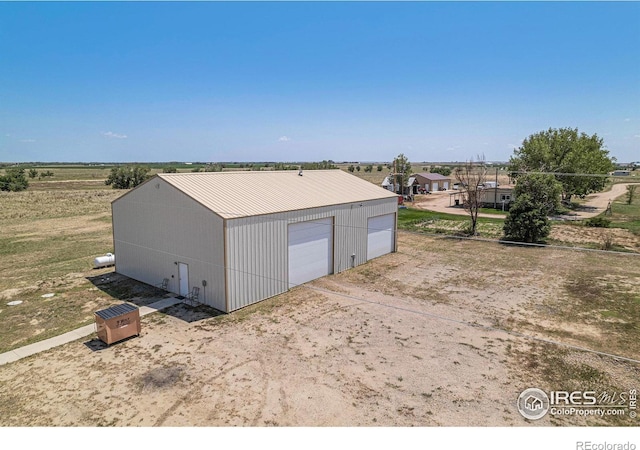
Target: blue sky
<point>358,81</point>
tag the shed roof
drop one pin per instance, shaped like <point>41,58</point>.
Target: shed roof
<point>433,176</point>
<point>236,194</point>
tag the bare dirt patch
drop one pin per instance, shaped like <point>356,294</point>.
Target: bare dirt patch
<point>409,339</point>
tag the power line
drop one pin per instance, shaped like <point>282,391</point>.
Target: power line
<point>569,174</point>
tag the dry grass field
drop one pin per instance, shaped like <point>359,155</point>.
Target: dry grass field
<point>444,332</point>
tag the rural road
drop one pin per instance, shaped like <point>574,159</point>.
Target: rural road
<point>594,203</point>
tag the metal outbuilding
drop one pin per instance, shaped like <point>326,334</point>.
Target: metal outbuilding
<point>242,237</point>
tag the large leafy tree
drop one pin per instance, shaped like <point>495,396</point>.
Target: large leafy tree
<point>565,151</point>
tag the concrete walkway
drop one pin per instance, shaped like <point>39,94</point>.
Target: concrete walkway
<point>37,347</point>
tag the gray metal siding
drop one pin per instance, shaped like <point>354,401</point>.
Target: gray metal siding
<point>155,226</point>
<point>257,246</point>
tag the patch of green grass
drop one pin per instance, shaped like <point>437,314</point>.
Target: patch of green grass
<point>441,223</point>
<point>494,211</point>
<point>626,216</point>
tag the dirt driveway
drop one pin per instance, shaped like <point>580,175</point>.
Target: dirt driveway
<point>441,202</point>
<point>395,342</point>
<point>597,203</point>
<point>594,203</point>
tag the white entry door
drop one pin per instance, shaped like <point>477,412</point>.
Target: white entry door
<point>310,250</point>
<point>445,185</point>
<point>183,275</point>
<point>435,186</point>
<point>380,235</point>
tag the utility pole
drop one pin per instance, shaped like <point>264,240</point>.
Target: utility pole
<point>495,193</point>
<point>395,178</point>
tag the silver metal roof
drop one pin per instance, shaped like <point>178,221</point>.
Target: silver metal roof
<point>240,194</point>
<point>115,311</point>
<point>433,176</point>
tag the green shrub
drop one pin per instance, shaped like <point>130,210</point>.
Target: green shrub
<point>527,221</point>
<point>599,222</point>
<point>13,180</point>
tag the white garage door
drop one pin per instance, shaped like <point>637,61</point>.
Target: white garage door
<point>310,250</point>
<point>435,186</point>
<point>380,236</point>
<point>445,185</point>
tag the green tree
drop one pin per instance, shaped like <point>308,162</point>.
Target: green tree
<point>127,177</point>
<point>368,168</point>
<point>322,165</point>
<point>565,151</point>
<point>379,167</point>
<point>13,180</point>
<point>402,170</point>
<point>358,168</point>
<point>33,172</point>
<point>441,170</point>
<point>213,168</point>
<point>527,221</point>
<point>170,169</point>
<point>351,168</point>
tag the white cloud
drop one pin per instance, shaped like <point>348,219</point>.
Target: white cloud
<point>627,120</point>
<point>636,136</point>
<point>284,139</point>
<point>27,140</point>
<point>111,134</point>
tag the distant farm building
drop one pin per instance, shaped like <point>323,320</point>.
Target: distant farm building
<point>497,196</point>
<point>500,197</point>
<point>621,173</point>
<point>432,182</point>
<point>241,237</point>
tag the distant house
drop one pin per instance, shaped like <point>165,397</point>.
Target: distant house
<point>410,188</point>
<point>620,173</point>
<point>387,183</point>
<point>432,182</point>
